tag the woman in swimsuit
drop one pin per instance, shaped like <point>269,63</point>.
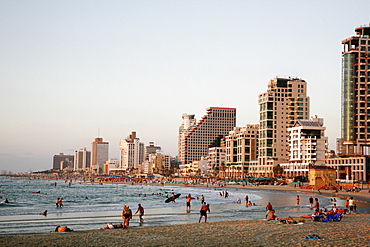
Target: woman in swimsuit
<point>126,216</point>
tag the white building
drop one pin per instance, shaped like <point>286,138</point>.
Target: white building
<point>131,152</point>
<point>307,146</point>
<point>82,159</point>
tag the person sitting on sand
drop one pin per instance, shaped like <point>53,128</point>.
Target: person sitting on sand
<point>126,216</point>
<point>62,229</point>
<point>272,215</point>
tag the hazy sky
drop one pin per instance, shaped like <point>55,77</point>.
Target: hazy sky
<point>70,68</point>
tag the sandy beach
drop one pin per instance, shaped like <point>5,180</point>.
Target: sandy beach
<point>353,230</point>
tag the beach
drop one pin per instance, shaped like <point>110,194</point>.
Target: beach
<point>173,227</point>
<point>353,230</point>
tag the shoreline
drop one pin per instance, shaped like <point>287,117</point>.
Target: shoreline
<point>353,230</point>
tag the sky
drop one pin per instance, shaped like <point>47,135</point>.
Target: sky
<point>73,70</point>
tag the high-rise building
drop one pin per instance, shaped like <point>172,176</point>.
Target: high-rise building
<point>151,149</point>
<point>356,93</point>
<point>131,152</point>
<point>188,123</point>
<point>284,102</point>
<point>196,140</point>
<point>241,148</point>
<point>82,160</point>
<point>99,155</point>
<point>308,146</point>
<point>61,161</point>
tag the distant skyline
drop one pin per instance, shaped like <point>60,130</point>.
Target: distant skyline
<point>71,71</point>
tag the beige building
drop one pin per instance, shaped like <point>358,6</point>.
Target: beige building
<point>216,158</point>
<point>241,148</point>
<point>281,105</point>
<point>348,169</point>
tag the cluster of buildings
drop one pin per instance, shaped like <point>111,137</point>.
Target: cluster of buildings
<point>135,157</point>
<point>287,141</point>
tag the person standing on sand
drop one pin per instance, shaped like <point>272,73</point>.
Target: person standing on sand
<point>203,212</point>
<point>126,216</point>
<point>351,204</point>
<point>268,209</point>
<point>140,210</point>
<point>202,199</point>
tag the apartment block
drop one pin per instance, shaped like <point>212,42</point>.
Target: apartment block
<point>131,152</point>
<point>281,105</point>
<point>241,148</point>
<point>308,147</point>
<point>82,160</point>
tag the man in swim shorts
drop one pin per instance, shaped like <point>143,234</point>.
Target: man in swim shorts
<point>140,210</point>
<point>188,200</point>
<point>203,212</point>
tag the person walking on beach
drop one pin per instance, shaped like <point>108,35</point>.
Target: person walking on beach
<point>298,200</point>
<point>126,216</point>
<point>188,201</point>
<point>202,199</point>
<point>203,212</point>
<point>268,209</point>
<point>246,200</point>
<point>310,200</point>
<point>140,210</point>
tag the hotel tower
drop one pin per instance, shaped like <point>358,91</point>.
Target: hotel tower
<point>356,92</point>
<point>284,102</point>
<point>195,139</point>
<point>99,155</point>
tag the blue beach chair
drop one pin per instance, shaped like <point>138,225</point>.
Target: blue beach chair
<point>328,218</point>
<point>337,217</point>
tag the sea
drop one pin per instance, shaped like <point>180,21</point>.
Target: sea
<point>89,205</point>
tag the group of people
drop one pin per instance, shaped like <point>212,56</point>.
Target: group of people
<point>59,203</point>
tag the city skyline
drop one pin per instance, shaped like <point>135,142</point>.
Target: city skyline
<point>75,70</point>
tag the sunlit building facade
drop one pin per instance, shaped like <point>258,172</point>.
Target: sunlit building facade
<point>356,92</point>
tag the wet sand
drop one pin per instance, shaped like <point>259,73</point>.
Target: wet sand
<point>353,230</point>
